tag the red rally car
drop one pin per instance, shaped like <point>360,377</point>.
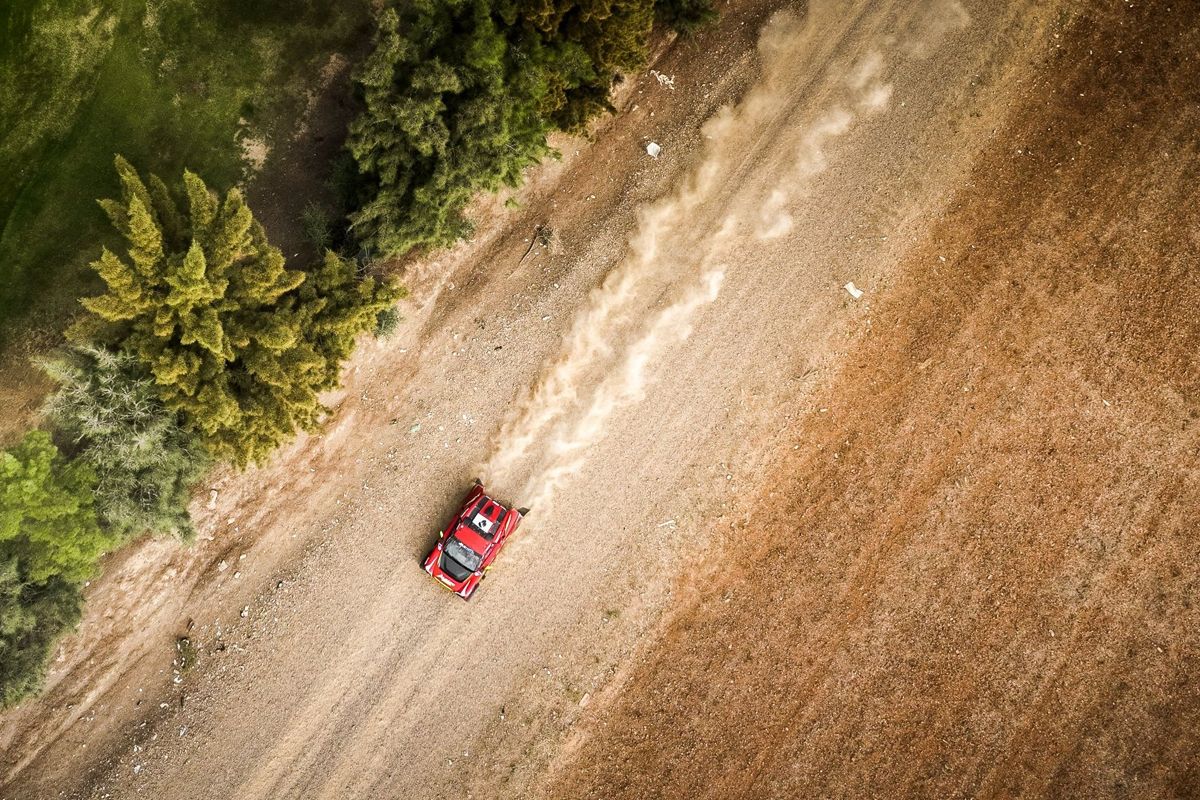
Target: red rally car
<point>470,543</point>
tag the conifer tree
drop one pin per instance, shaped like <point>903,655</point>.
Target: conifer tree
<point>459,96</point>
<point>49,543</point>
<point>208,305</point>
<point>449,111</point>
<point>47,515</point>
<point>145,463</point>
<point>32,618</point>
<point>611,35</point>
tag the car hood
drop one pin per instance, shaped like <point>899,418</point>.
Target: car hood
<point>467,535</point>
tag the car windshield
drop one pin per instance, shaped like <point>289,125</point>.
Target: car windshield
<point>463,554</point>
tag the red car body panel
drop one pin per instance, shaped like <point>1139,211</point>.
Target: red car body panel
<point>475,536</point>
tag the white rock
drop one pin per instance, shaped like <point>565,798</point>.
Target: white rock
<point>854,291</point>
<point>664,80</point>
<point>653,149</point>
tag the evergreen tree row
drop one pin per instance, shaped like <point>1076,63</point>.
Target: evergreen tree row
<point>204,347</point>
<point>459,96</point>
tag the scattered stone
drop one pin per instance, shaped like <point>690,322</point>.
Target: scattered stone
<point>854,291</point>
<point>653,149</point>
<point>664,80</point>
<point>245,611</point>
<point>212,499</point>
<point>587,698</point>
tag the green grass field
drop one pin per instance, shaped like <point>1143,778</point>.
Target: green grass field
<point>166,83</point>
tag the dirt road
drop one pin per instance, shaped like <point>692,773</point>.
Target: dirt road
<point>640,381</point>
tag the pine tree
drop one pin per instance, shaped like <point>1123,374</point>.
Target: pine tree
<point>208,305</point>
<point>108,405</point>
<point>32,618</point>
<point>47,516</point>
<point>459,96</point>
<point>685,16</point>
<point>50,542</point>
<point>449,111</point>
<point>612,35</point>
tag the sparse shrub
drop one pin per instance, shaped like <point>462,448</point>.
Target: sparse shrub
<point>237,344</point>
<point>318,230</point>
<point>186,653</point>
<point>146,464</point>
<point>386,322</point>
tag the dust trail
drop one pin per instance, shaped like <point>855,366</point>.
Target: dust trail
<point>609,346</point>
<point>588,339</point>
<point>625,386</point>
<point>658,250</point>
<point>867,95</point>
<point>947,17</point>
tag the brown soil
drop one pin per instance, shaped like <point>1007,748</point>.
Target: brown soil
<point>894,500</point>
<point>978,574</point>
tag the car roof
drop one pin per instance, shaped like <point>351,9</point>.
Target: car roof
<point>480,522</point>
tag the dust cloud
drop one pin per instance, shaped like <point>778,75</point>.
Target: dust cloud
<point>676,251</point>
